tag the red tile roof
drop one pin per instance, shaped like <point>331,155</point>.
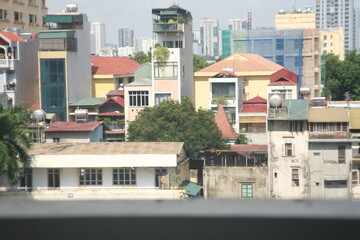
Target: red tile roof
<point>11,36</point>
<point>284,76</point>
<point>118,100</point>
<point>73,126</point>
<point>226,73</point>
<point>112,65</point>
<point>254,108</point>
<point>256,100</point>
<point>115,93</point>
<point>223,124</point>
<point>243,62</point>
<point>249,147</point>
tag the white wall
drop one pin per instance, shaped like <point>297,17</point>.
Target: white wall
<point>68,137</point>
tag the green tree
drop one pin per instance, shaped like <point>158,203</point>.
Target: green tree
<point>14,141</point>
<point>199,62</point>
<point>178,122</point>
<point>161,55</point>
<point>242,139</point>
<point>343,76</point>
<point>141,57</point>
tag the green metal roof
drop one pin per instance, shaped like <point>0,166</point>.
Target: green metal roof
<point>191,188</point>
<point>57,34</point>
<point>297,109</point>
<point>89,102</point>
<point>58,19</point>
<point>141,82</point>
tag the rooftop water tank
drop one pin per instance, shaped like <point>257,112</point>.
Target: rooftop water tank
<point>71,8</point>
<point>305,90</point>
<point>81,114</point>
<point>275,101</point>
<point>38,115</point>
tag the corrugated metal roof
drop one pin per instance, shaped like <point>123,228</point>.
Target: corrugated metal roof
<point>106,148</point>
<point>141,82</point>
<point>355,118</point>
<point>89,102</point>
<point>112,65</point>
<point>297,109</point>
<point>328,115</point>
<point>73,126</point>
<point>191,188</point>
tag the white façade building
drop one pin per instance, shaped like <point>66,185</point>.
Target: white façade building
<point>118,170</point>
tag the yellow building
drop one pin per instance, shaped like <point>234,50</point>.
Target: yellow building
<point>255,71</point>
<point>295,20</point>
<point>110,73</point>
<point>332,41</point>
<point>23,15</point>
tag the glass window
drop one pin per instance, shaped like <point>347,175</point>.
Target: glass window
<point>124,176</point>
<point>295,177</point>
<point>170,70</point>
<point>159,97</point>
<point>280,60</point>
<point>341,154</point>
<point>280,44</point>
<point>139,98</point>
<point>54,178</point>
<point>90,176</point>
<point>246,190</point>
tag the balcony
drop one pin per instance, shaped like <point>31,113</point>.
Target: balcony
<point>229,101</point>
<point>329,135</point>
<point>168,27</point>
<point>116,127</point>
<point>7,63</point>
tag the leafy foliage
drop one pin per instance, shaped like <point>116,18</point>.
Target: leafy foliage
<point>243,139</point>
<point>14,141</point>
<point>141,57</point>
<point>161,54</point>
<point>199,62</point>
<point>343,76</point>
<point>177,122</point>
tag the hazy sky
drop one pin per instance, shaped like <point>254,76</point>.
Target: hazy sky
<point>136,14</point>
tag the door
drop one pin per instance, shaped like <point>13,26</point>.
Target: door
<point>54,178</point>
<point>26,180</point>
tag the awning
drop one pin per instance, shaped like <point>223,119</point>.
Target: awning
<point>335,178</point>
<point>252,119</point>
<point>191,188</point>
<point>328,115</point>
<point>56,34</point>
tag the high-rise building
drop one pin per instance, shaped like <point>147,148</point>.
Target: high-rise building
<point>297,19</point>
<point>64,61</point>
<point>126,37</point>
<point>238,24</point>
<point>97,34</point>
<point>23,16</point>
<point>143,44</point>
<point>338,13</point>
<point>209,35</point>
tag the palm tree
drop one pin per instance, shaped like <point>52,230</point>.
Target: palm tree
<point>14,141</point>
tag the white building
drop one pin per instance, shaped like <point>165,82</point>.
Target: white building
<point>143,44</point>
<point>129,170</point>
<point>97,34</point>
<point>126,37</point>
<point>338,13</point>
<point>209,34</point>
<point>238,24</point>
<point>126,51</point>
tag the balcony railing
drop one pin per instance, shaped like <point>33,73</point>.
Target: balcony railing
<point>167,27</point>
<point>116,127</point>
<point>6,63</point>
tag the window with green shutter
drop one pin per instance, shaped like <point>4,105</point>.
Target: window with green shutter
<point>246,190</point>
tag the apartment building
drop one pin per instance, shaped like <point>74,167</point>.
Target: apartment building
<point>23,15</point>
<point>98,37</point>
<point>209,37</point>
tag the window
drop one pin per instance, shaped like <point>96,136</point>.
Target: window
<point>159,97</point>
<point>54,178</point>
<point>335,184</point>
<point>56,140</point>
<point>159,173</point>
<point>32,2</point>
<point>295,177</point>
<point>280,60</point>
<point>296,126</point>
<point>328,127</point>
<point>341,154</point>
<point>170,70</point>
<point>288,149</point>
<point>246,190</point>
<point>26,180</point>
<point>355,177</point>
<point>32,19</point>
<point>3,14</point>
<point>139,98</point>
<point>124,176</point>
<point>90,176</point>
<point>280,44</point>
<point>18,17</point>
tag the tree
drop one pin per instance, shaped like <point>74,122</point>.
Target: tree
<point>161,55</point>
<point>178,122</point>
<point>141,57</point>
<point>14,141</point>
<point>342,76</point>
<point>199,62</point>
<point>242,139</point>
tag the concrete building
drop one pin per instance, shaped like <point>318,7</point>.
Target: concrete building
<point>240,172</point>
<point>23,16</point>
<point>64,61</point>
<point>126,37</point>
<point>172,28</point>
<point>288,151</point>
<point>98,37</point>
<point>338,13</point>
<point>209,35</point>
<point>111,171</point>
<point>238,24</point>
<point>18,64</point>
<point>296,19</point>
<point>110,73</point>
<point>109,52</point>
<point>143,44</point>
<point>126,51</point>
<point>332,42</point>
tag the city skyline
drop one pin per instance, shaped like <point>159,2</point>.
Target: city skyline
<point>114,17</point>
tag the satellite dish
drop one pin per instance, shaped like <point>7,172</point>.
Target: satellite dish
<point>38,115</point>
<point>275,101</point>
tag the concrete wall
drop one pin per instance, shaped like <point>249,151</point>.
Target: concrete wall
<point>132,111</point>
<point>97,134</point>
<point>225,182</point>
<point>101,85</point>
<point>68,137</point>
<point>280,166</point>
<point>323,160</point>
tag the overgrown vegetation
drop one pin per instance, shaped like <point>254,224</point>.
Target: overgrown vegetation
<point>199,62</point>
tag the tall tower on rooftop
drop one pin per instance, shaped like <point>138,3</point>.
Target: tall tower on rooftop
<point>172,28</point>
